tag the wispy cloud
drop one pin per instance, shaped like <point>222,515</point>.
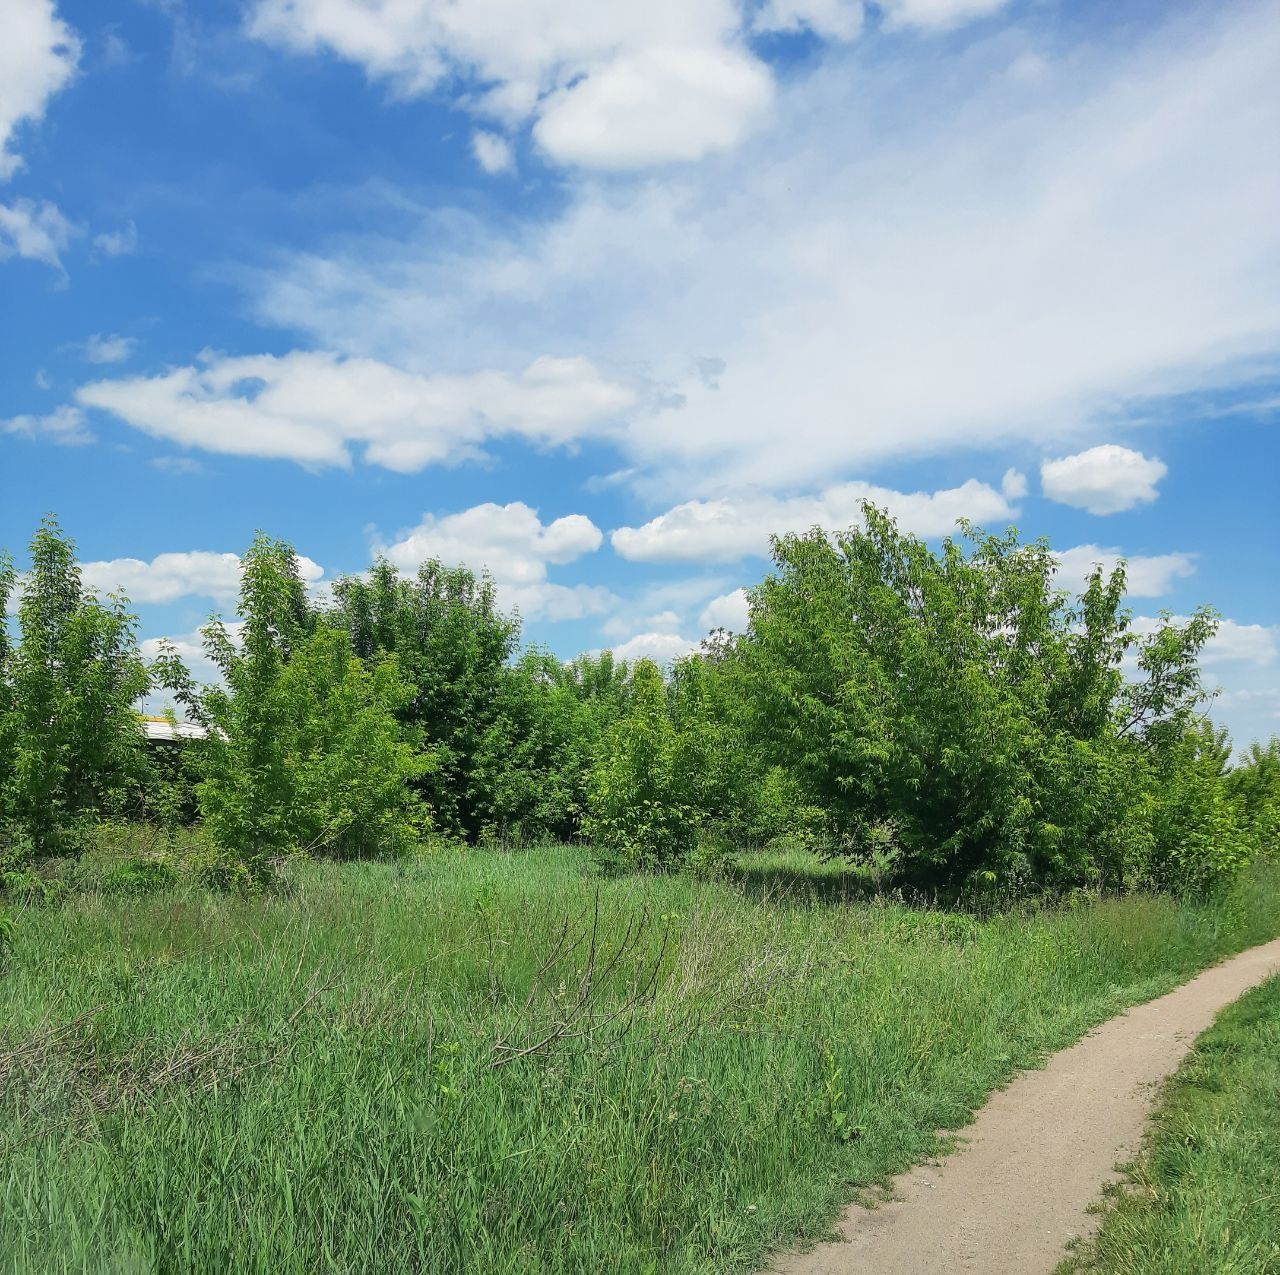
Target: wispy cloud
<point>970,258</point>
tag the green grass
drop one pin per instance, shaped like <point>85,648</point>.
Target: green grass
<point>305,1082</point>
<point>1205,1194</point>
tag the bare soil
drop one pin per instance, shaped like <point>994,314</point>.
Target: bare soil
<point>1014,1194</point>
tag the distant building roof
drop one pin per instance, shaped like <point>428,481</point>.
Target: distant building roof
<point>162,730</point>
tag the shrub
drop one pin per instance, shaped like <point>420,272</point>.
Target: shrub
<point>138,877</point>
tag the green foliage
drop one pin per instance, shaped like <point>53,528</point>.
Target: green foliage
<point>1199,844</point>
<point>641,791</point>
<point>1254,786</point>
<point>452,645</point>
<point>70,748</point>
<point>304,751</point>
<point>137,877</point>
<point>29,888</point>
<point>8,930</point>
<point>957,710</point>
<point>948,719</point>
<point>532,762</point>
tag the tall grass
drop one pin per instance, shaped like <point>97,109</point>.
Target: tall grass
<point>329,1080</point>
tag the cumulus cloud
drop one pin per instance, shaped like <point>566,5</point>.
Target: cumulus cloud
<point>970,258</point>
<point>662,648</point>
<point>1257,644</point>
<point>729,611</point>
<point>1103,480</point>
<point>605,85</point>
<point>38,57</point>
<point>65,426</point>
<point>513,544</point>
<point>109,349</point>
<point>1147,576</point>
<point>35,230</point>
<point>313,407</point>
<point>655,106</point>
<point>733,527</point>
<point>492,151</point>
<point>170,576</point>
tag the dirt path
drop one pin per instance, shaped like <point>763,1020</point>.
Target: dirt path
<point>1009,1200</point>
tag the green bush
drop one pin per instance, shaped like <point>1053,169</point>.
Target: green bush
<point>138,877</point>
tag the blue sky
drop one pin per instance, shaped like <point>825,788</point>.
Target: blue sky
<point>600,295</point>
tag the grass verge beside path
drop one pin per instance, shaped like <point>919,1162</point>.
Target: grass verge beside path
<point>332,1080</point>
<point>1205,1193</point>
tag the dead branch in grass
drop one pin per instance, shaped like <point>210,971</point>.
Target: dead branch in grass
<point>577,1008</point>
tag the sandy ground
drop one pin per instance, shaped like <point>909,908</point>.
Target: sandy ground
<point>1014,1194</point>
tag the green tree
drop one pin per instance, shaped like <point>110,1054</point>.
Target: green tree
<point>960,708</point>
<point>304,751</point>
<point>452,645</point>
<point>1254,785</point>
<point>70,742</point>
<point>638,797</point>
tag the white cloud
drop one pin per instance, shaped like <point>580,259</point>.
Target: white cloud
<point>936,14</point>
<point>968,258</point>
<point>313,407</point>
<point>1147,576</point>
<point>492,151</point>
<point>656,106</point>
<point>1239,664</point>
<point>733,527</point>
<point>513,544</point>
<point>662,648</point>
<point>1013,485</point>
<point>1243,643</point>
<point>118,243</point>
<point>36,231</point>
<point>109,349</point>
<point>608,84</point>
<point>1103,480</point>
<point>170,576</point>
<point>38,56</point>
<point>729,611</point>
<point>834,19</point>
<point>65,426</point>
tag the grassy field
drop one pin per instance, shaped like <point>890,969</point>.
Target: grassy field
<point>1205,1195</point>
<point>488,1062</point>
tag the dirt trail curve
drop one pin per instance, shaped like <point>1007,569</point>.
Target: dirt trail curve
<point>1016,1192</point>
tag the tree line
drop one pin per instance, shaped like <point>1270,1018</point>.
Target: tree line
<point>951,715</point>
